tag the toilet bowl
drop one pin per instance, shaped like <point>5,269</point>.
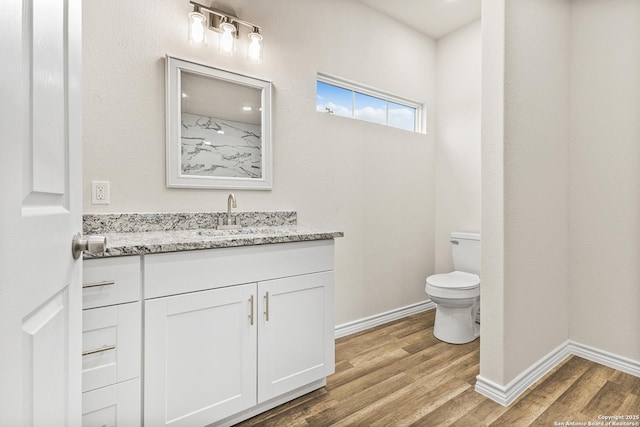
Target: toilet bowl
<point>457,294</point>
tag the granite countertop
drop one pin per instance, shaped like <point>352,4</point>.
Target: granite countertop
<point>122,244</point>
<point>137,234</point>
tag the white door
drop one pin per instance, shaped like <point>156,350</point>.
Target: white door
<point>296,337</point>
<point>200,356</point>
<point>40,211</point>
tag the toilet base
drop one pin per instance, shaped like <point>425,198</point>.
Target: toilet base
<point>456,325</point>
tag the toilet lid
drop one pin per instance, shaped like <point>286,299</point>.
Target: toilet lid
<point>454,280</point>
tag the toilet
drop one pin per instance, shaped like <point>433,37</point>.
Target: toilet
<point>457,294</point>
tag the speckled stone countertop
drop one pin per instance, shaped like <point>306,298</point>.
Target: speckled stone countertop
<point>168,232</point>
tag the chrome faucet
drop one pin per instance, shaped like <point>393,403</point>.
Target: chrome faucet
<point>231,203</point>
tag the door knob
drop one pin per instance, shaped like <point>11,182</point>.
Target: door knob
<point>89,244</point>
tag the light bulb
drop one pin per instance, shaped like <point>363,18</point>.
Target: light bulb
<point>197,26</point>
<point>254,51</point>
<point>227,44</point>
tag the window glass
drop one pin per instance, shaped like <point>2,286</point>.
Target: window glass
<point>370,109</point>
<point>334,100</point>
<point>401,116</point>
<point>348,99</point>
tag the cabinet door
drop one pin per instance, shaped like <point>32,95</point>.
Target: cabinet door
<point>296,338</point>
<point>112,406</point>
<point>200,356</point>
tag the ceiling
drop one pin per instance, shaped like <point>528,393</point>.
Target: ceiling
<point>435,18</point>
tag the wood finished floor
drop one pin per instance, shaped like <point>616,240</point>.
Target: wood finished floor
<point>398,374</point>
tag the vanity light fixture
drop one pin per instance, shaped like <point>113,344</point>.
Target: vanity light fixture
<point>227,44</point>
<point>254,50</point>
<point>228,26</point>
<point>197,26</point>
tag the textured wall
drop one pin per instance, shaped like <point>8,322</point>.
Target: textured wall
<point>492,260</point>
<point>566,265</point>
<point>605,175</point>
<point>375,183</point>
<point>458,138</point>
<point>536,160</point>
<point>531,285</point>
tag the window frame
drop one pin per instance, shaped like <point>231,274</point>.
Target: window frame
<point>420,125</point>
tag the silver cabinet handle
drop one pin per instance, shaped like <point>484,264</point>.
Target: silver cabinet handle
<point>251,311</point>
<point>89,244</point>
<point>266,306</point>
<point>103,283</point>
<point>99,350</point>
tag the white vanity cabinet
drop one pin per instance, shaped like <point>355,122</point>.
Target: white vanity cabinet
<point>296,333</point>
<point>231,332</point>
<point>111,342</point>
<point>200,356</point>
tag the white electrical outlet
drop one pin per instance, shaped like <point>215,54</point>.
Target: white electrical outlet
<point>100,194</point>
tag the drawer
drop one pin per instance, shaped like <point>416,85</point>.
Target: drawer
<point>176,273</point>
<point>108,281</point>
<point>116,405</point>
<point>111,342</point>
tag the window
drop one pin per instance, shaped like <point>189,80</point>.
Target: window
<point>342,98</point>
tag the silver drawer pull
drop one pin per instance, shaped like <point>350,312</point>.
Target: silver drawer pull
<point>103,283</point>
<point>99,350</point>
<point>251,312</point>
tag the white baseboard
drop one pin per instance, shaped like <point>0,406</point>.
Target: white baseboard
<point>505,395</point>
<point>382,318</point>
<point>605,358</point>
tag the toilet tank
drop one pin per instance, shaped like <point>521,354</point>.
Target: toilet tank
<point>465,248</point>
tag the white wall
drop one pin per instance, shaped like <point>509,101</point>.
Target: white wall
<point>458,138</point>
<point>492,285</point>
<point>536,180</point>
<point>605,175</point>
<point>560,225</point>
<point>377,184</point>
<point>534,192</point>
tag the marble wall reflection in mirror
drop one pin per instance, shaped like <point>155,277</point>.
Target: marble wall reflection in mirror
<point>218,128</point>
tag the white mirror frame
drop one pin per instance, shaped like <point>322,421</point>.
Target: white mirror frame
<point>175,177</point>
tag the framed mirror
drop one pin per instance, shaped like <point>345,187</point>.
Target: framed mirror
<point>218,128</point>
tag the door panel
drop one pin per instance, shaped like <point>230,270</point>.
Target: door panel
<point>47,145</point>
<point>45,369</point>
<point>40,184</point>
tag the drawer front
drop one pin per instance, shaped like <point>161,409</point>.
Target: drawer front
<point>176,273</point>
<point>111,341</point>
<point>116,405</point>
<point>109,281</point>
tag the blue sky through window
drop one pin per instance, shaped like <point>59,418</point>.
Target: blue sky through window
<point>334,100</point>
<point>370,109</point>
<point>345,102</point>
<point>401,116</point>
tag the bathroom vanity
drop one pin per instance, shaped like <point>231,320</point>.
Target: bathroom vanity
<point>203,326</point>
